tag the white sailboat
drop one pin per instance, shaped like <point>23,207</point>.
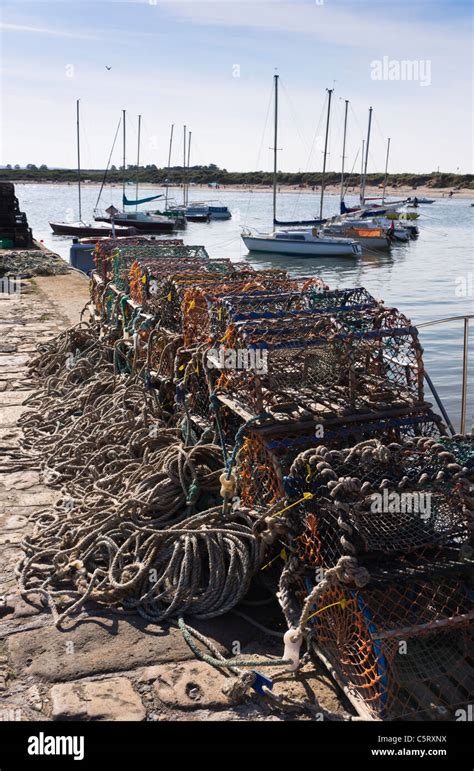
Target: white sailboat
<point>302,242</point>
<point>306,241</point>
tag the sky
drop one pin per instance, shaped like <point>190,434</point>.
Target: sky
<point>210,66</point>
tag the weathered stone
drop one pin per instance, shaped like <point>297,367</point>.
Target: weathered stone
<point>13,398</point>
<point>9,437</point>
<point>37,496</point>
<point>14,522</point>
<point>113,699</point>
<point>191,685</point>
<point>20,480</point>
<point>9,416</point>
<point>34,698</point>
<point>13,361</point>
<point>99,645</point>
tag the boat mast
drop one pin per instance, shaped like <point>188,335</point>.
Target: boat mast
<point>361,169</point>
<point>275,149</point>
<point>184,166</point>
<point>344,149</point>
<point>138,161</point>
<point>386,170</point>
<point>169,166</point>
<point>329,90</point>
<point>78,161</point>
<point>362,192</point>
<point>124,170</point>
<point>189,156</point>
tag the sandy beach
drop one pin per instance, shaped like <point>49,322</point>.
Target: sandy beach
<point>371,191</point>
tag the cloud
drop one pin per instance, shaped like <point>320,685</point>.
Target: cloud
<point>45,31</point>
<point>359,28</point>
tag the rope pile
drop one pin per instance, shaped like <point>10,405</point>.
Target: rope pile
<point>139,523</point>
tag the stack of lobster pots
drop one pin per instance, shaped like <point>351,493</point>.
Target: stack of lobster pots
<point>14,230</point>
<point>317,399</point>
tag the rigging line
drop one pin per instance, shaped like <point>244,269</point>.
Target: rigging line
<point>292,111</point>
<point>85,140</point>
<point>311,152</point>
<point>108,164</point>
<point>348,176</point>
<point>270,99</point>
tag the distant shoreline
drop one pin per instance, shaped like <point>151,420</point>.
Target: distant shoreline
<point>398,192</point>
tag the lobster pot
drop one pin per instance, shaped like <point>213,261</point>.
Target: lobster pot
<point>199,303</point>
<point>196,386</point>
<point>105,247</point>
<point>120,256</point>
<point>314,298</point>
<point>146,276</point>
<point>162,353</point>
<point>168,298</point>
<point>402,652</point>
<point>362,362</point>
<point>266,457</point>
<point>381,503</point>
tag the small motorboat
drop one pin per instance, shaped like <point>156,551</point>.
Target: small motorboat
<point>83,229</point>
<point>142,220</point>
<point>415,201</point>
<point>367,233</point>
<point>304,242</point>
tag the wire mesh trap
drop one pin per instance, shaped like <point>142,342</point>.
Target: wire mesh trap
<point>310,297</point>
<point>403,651</point>
<point>377,501</point>
<point>361,362</point>
<point>268,452</point>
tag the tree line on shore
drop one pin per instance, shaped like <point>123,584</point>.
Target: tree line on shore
<point>212,174</point>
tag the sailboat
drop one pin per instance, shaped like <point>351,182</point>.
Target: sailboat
<point>142,221</point>
<point>81,228</point>
<point>370,234</point>
<point>304,241</point>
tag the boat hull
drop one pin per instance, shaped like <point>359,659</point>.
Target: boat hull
<point>217,216</point>
<point>76,229</point>
<point>367,242</point>
<point>301,248</point>
<point>148,227</point>
<point>197,217</point>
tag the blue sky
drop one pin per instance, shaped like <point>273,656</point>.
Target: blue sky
<point>210,65</point>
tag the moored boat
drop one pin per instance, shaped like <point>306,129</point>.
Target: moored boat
<point>145,222</point>
<point>367,234</point>
<point>302,242</point>
<point>82,229</point>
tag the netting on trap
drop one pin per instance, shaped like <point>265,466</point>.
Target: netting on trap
<point>105,247</point>
<point>118,262</point>
<point>169,300</point>
<point>266,456</point>
<point>376,501</point>
<point>315,298</point>
<point>404,651</point>
<point>362,362</point>
<point>146,276</point>
<point>162,351</point>
<point>199,302</point>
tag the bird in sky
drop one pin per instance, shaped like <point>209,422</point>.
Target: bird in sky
<point>107,68</point>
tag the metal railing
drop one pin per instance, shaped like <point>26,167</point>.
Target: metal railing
<point>466,318</point>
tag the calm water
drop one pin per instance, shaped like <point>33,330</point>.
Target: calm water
<point>421,278</point>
